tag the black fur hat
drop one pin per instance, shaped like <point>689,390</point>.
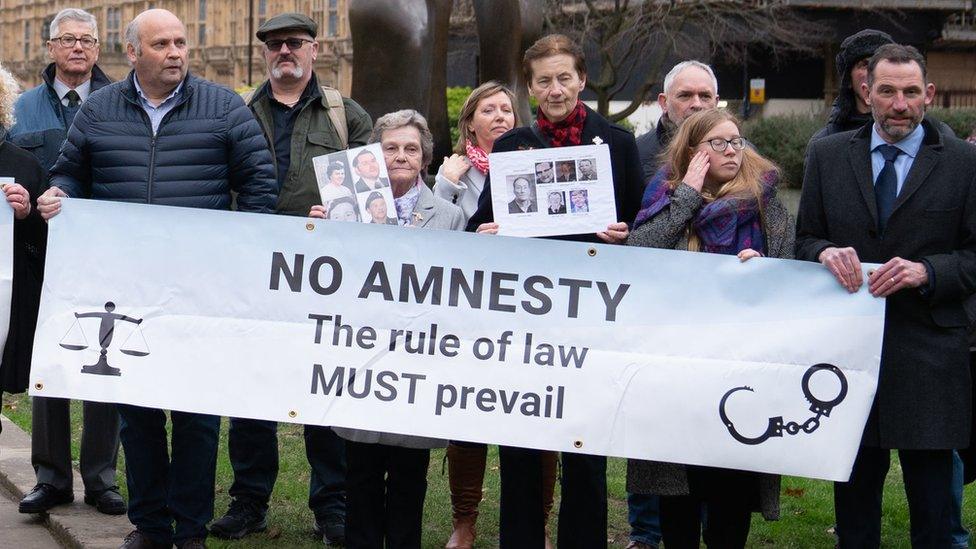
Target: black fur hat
<point>854,48</point>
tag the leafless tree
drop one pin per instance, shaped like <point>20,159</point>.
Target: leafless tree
<point>629,35</point>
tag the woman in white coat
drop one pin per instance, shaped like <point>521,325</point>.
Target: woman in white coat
<point>486,114</point>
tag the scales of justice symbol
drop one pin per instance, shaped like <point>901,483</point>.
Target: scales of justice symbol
<point>75,339</point>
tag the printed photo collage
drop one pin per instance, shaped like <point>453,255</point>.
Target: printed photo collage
<point>354,185</point>
<point>556,187</point>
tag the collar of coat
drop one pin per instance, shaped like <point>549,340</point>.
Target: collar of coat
<point>98,79</point>
<point>933,134</point>
<point>187,88</point>
<point>313,90</point>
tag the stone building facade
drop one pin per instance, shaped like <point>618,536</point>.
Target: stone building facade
<point>218,32</point>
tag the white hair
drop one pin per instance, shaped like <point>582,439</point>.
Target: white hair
<point>9,88</point>
<point>132,35</point>
<point>73,14</point>
<point>676,70</point>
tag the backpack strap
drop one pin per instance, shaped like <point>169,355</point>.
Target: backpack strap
<point>337,114</point>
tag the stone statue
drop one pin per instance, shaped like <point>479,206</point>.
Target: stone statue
<point>400,54</point>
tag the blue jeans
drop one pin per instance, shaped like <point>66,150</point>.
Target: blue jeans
<point>644,516</point>
<point>164,488</point>
<point>253,448</point>
<point>960,536</point>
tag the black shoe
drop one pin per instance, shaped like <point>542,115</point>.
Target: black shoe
<point>242,518</point>
<point>108,502</point>
<point>137,540</point>
<point>43,497</point>
<point>331,529</point>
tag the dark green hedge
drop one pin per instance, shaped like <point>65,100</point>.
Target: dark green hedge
<point>962,121</point>
<point>783,139</point>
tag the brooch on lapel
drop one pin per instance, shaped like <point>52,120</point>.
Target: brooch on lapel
<point>597,140</point>
<point>417,217</point>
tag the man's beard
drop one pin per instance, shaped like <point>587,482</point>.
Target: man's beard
<point>899,132</point>
<point>298,72</point>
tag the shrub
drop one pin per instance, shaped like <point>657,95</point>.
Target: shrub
<point>962,121</point>
<point>455,99</point>
<point>783,139</point>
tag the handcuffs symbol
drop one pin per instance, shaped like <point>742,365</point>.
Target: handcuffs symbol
<point>775,428</point>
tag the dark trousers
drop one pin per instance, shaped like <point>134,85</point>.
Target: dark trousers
<point>51,443</point>
<point>164,488</point>
<point>582,509</point>
<point>253,449</point>
<point>726,496</point>
<point>928,486</point>
<point>386,486</point>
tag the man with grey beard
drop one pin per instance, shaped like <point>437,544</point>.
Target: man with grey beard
<point>301,120</point>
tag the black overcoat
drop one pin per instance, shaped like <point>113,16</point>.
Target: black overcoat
<point>30,236</point>
<point>924,398</point>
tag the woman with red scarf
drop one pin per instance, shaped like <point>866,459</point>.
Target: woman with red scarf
<point>555,70</point>
<point>486,115</point>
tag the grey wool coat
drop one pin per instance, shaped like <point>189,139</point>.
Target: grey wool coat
<point>430,212</point>
<point>924,397</point>
<point>668,229</point>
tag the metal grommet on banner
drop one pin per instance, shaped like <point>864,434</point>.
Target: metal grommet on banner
<point>310,226</point>
<point>578,444</point>
<point>38,385</point>
<point>292,414</point>
<point>591,252</point>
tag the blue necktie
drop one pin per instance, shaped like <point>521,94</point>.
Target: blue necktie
<point>886,186</point>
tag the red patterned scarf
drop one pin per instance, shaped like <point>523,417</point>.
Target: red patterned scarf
<point>566,132</point>
<point>477,156</point>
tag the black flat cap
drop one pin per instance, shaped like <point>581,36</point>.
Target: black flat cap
<point>287,21</point>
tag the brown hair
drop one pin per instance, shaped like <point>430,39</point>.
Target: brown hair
<point>549,45</point>
<point>897,54</point>
<point>746,184</point>
<point>487,89</point>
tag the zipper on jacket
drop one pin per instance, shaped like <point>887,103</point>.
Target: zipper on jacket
<point>152,167</point>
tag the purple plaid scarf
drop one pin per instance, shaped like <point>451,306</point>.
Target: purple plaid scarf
<point>725,226</point>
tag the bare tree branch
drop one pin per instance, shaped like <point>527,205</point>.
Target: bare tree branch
<point>626,34</point>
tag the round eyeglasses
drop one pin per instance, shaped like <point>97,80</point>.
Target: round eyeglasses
<point>69,40</point>
<point>718,144</point>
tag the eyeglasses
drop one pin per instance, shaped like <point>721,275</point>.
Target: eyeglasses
<point>68,41</point>
<point>293,43</point>
<point>718,144</point>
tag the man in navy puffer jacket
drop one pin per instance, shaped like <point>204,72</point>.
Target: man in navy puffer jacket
<point>163,137</point>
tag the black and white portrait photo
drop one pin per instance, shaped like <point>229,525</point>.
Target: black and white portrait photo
<point>523,194</point>
<point>586,169</point>
<point>557,203</point>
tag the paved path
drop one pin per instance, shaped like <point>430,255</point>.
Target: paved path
<point>74,525</point>
<point>22,531</point>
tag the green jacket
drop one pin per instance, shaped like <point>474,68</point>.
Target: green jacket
<point>312,136</point>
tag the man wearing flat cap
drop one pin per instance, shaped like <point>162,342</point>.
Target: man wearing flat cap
<point>301,120</point>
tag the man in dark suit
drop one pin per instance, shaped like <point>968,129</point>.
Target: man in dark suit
<point>368,170</point>
<point>899,193</point>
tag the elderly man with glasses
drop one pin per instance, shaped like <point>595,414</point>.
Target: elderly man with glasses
<point>45,113</point>
<point>43,116</point>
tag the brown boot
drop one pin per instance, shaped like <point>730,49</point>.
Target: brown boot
<point>466,473</point>
<point>550,465</point>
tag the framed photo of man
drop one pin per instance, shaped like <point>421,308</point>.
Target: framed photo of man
<point>558,191</point>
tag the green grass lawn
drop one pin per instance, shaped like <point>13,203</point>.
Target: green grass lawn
<point>807,509</point>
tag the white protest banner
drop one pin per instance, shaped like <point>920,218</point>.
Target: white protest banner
<point>354,185</point>
<point>6,262</point>
<point>767,365</point>
<point>544,192</point>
